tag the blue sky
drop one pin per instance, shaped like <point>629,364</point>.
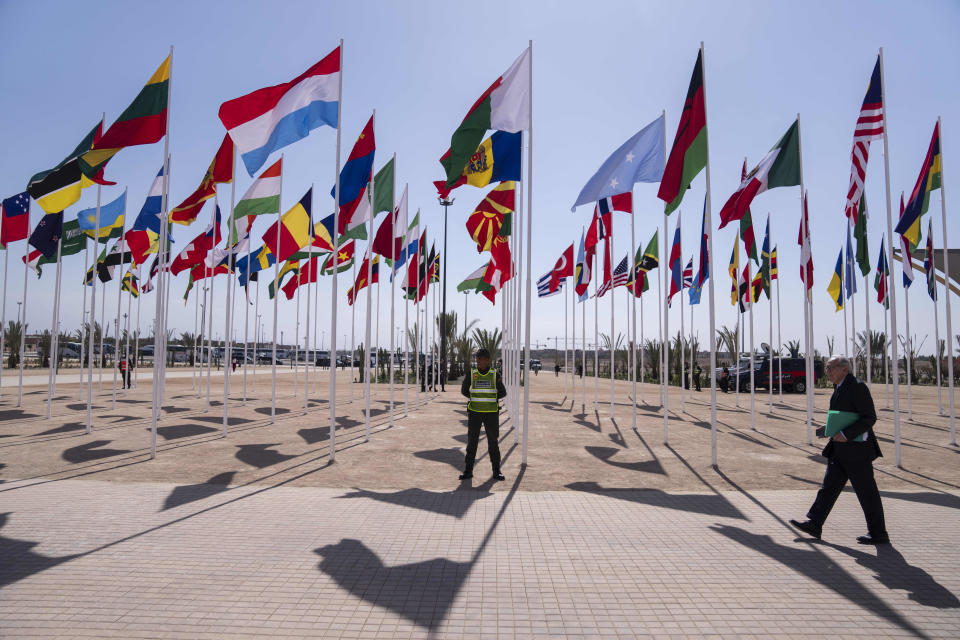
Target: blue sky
<point>601,72</point>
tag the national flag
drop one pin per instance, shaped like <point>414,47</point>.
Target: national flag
<point>435,268</point>
<point>293,231</point>
<point>416,270</point>
<point>860,233</point>
<point>688,274</point>
<point>306,274</point>
<point>203,270</point>
<point>198,248</point>
<point>746,226</point>
<point>928,180</point>
<point>130,285</point>
<point>562,270</point>
<point>356,175</point>
<point>745,294</point>
<point>58,188</point>
<point>497,159</point>
<point>493,280</point>
<point>273,117</point>
<point>806,255</point>
<point>343,261</point>
<point>756,288</point>
<point>386,242</point>
<point>835,288</point>
<point>15,220</point>
<point>928,265</point>
<point>361,280</point>
<point>869,127</point>
<point>883,272</point>
<point>409,240</point>
<point>543,286</point>
<point>601,226</point>
<point>143,122</point>
<point>33,258</point>
<point>46,235</point>
<point>688,155</point>
<point>219,171</point>
<point>620,277</point>
<point>263,196</point>
<point>287,269</point>
<point>143,237</point>
<point>72,242</point>
<point>583,270</point>
<point>473,281</point>
<point>111,219</point>
<point>773,264</point>
<point>848,270</point>
<point>383,188</point>
<point>253,263</point>
<point>639,159</point>
<point>487,219</point>
<point>644,261</point>
<point>118,255</point>
<point>906,263</point>
<point>766,261</point>
<point>147,285</point>
<point>676,273</point>
<point>89,275</point>
<point>734,269</point>
<point>620,202</point>
<point>779,168</point>
<point>504,106</point>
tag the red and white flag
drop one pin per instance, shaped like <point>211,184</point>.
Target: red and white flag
<point>869,127</point>
<point>806,257</point>
<point>562,269</point>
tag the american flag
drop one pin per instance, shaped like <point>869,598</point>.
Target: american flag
<point>869,127</point>
<point>619,279</point>
<point>688,274</point>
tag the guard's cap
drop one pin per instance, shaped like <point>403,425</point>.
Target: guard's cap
<point>483,353</point>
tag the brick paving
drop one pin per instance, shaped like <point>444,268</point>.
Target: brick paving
<point>606,533</point>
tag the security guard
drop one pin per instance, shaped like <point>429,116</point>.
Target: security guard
<point>484,389</point>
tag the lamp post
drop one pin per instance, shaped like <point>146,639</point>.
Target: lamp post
<point>443,312</point>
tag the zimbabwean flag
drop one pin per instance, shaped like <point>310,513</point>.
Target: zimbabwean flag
<point>688,156</point>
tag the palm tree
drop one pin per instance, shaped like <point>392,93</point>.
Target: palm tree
<point>831,340</point>
<point>14,335</point>
<point>793,348</point>
<point>731,340</point>
<point>652,354</point>
<point>463,349</point>
<point>489,340</point>
<point>618,348</point>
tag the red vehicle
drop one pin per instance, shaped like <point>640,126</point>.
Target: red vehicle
<point>794,374</point>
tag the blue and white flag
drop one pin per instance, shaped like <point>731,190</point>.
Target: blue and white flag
<point>850,282</point>
<point>543,286</point>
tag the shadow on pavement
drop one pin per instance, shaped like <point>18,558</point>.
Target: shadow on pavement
<point>18,561</point>
<point>451,456</point>
<point>260,455</point>
<point>315,435</point>
<point>266,410</point>
<point>70,426</point>
<point>606,454</point>
<point>186,493</point>
<point>182,431</point>
<point>91,451</point>
<point>449,503</point>
<point>712,505</point>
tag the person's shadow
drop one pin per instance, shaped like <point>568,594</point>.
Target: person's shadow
<point>894,572</point>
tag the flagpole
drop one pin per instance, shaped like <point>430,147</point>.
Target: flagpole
<point>93,309</point>
<point>417,326</point>
<point>633,309</point>
<point>306,337</point>
<point>196,335</point>
<point>207,321</point>
<point>666,331</point>
<point>936,327</point>
<point>683,333</point>
<point>613,350</point>
<point>393,290</point>
<point>136,345</point>
<point>886,338</point>
<point>211,271</point>
<point>246,323</point>
<point>946,282</point>
<point>129,373</point>
<point>566,330</point>
<point>807,300</point>
<point>256,332</point>
<point>333,287</point>
<point>55,337</point>
<point>908,349</point>
<point>843,287</point>
<point>583,354</point>
<point>366,339</point>
<point>228,317</point>
<point>3,313</point>
<point>116,338</point>
<point>83,342</point>
<point>780,341</point>
<point>753,386</point>
<point>866,312</point>
<point>643,369</point>
<point>596,347</point>
<point>893,295</point>
<point>529,236</point>
<point>103,332</point>
<point>853,304</point>
<point>660,283</point>
<point>276,295</point>
<point>573,311</point>
<point>406,346</point>
<point>772,248</point>
<point>353,324</point>
<point>296,333</point>
<point>52,354</point>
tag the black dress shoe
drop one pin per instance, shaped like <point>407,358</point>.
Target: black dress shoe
<point>871,539</point>
<point>498,476</point>
<point>466,475</point>
<point>809,527</point>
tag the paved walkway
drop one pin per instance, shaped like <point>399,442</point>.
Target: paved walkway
<point>87,558</point>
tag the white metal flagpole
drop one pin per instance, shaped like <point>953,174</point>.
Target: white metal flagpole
<point>573,311</point>
<point>779,343</point>
<point>936,328</point>
<point>83,324</point>
<point>365,365</point>
<point>666,331</point>
<point>333,285</point>
<point>54,329</point>
<point>529,234</point>
<point>866,313</point>
<point>246,327</point>
<point>116,338</point>
<point>3,313</point>
<point>393,290</point>
<point>93,308</point>
<point>908,349</point>
<point>583,354</point>
<point>256,331</point>
<point>633,314</point>
<point>228,316</point>
<point>946,281</point>
<point>276,295</point>
<point>613,349</point>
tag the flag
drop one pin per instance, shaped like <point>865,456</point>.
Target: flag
<point>130,285</point>
<point>58,188</point>
<point>47,234</point>
<point>386,242</point>
<point>288,268</point>
<point>806,255</point>
<point>756,288</point>
<point>883,272</point>
<point>504,106</point>
<point>907,249</point>
<point>111,219</point>
<point>147,286</point>
<point>219,171</point>
<point>583,269</point>
<point>928,180</point>
<point>273,117</point>
<point>15,220</point>
<point>473,281</point>
<point>73,240</point>
<point>644,261</point>
<point>676,272</point>
<point>743,287</point>
<point>688,274</point>
<point>144,236</point>
<point>89,275</point>
<point>620,277</point>
<point>869,127</point>
<point>860,233</point>
<point>409,241</point>
<point>688,155</point>
<point>383,188</point>
<point>749,239</point>
<point>203,270</point>
<point>198,248</point>
<point>355,175</point>
<point>263,196</point>
<point>562,270</point>
<point>487,219</point>
<point>251,264</point>
<point>493,280</point>
<point>497,159</point>
<point>361,280</point>
<point>773,264</point>
<point>143,122</point>
<point>306,274</point>
<point>293,231</point>
<point>703,272</point>
<point>733,269</point>
<point>928,266</point>
<point>849,280</point>
<point>835,288</point>
<point>779,168</point>
<point>620,202</point>
<point>601,226</point>
<point>33,258</point>
<point>543,286</point>
<point>766,261</point>
<point>639,159</point>
<point>119,254</point>
<point>344,259</point>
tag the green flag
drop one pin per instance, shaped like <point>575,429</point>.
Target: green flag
<point>383,189</point>
<point>860,233</point>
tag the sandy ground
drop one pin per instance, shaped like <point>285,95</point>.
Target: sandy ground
<point>568,449</point>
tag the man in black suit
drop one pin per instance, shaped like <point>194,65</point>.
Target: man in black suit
<point>850,455</point>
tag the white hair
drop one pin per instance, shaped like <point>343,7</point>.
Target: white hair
<point>838,361</point>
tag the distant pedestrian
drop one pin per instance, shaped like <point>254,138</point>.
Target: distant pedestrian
<point>556,370</point>
<point>697,372</point>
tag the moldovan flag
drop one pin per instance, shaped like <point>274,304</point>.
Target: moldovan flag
<point>779,168</point>
<point>220,170</point>
<point>504,106</point>
<point>143,122</point>
<point>273,117</point>
<point>295,229</point>
<point>497,159</point>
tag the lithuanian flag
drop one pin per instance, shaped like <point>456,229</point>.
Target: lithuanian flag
<point>143,122</point>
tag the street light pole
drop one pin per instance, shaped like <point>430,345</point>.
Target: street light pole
<point>443,313</point>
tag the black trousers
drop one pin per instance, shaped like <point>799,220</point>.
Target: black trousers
<point>491,424</point>
<point>850,461</point>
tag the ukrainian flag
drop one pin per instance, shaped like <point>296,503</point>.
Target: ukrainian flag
<point>835,288</point>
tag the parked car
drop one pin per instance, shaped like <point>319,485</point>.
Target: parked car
<point>794,373</point>
<point>535,365</point>
<point>323,360</point>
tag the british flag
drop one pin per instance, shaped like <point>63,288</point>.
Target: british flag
<point>869,127</point>
<point>688,274</point>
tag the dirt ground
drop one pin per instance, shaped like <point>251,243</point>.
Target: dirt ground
<point>568,449</point>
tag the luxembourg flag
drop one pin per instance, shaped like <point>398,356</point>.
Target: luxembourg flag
<point>273,117</point>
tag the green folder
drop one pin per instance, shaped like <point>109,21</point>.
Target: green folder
<point>837,421</point>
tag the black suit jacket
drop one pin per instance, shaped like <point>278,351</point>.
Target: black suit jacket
<point>853,395</point>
